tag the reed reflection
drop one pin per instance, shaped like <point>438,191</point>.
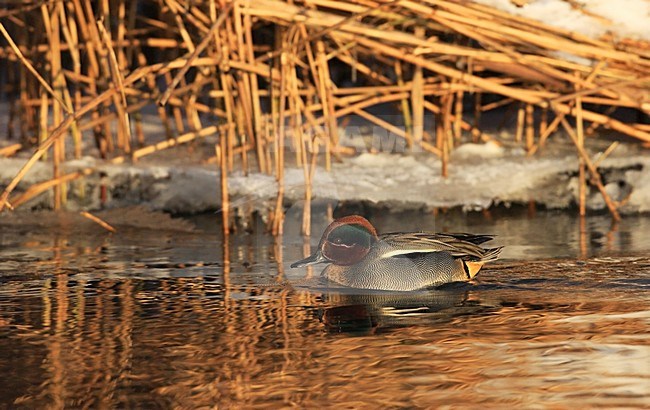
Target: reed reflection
<point>162,322</point>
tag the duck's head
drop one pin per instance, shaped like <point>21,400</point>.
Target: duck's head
<point>345,242</point>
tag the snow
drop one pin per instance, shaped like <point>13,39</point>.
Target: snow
<point>640,198</point>
<point>622,18</point>
<point>470,150</point>
<point>480,176</point>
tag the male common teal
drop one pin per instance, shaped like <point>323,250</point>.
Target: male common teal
<point>360,258</point>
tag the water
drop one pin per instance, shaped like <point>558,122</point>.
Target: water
<point>156,318</point>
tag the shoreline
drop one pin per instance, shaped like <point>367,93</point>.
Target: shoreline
<point>480,176</point>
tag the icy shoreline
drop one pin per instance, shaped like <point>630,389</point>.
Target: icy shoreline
<point>480,176</point>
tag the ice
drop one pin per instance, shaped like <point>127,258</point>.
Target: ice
<point>470,150</point>
<point>639,200</point>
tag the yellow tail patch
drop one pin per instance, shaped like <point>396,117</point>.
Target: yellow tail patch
<point>473,268</point>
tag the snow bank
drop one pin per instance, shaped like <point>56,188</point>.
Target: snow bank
<point>480,176</point>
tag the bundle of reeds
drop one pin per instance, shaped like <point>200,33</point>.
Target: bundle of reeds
<point>80,70</point>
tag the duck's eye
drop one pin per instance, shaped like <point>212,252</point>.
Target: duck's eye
<point>338,241</point>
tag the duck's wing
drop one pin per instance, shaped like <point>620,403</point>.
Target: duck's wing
<point>459,245</point>
<point>468,237</point>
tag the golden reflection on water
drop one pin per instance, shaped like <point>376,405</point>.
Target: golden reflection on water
<point>104,329</point>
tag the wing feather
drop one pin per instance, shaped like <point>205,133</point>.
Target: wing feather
<point>458,245</point>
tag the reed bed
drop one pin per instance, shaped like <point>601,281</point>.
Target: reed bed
<point>261,75</point>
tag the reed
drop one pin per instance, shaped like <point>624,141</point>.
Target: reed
<point>99,221</point>
<point>251,66</point>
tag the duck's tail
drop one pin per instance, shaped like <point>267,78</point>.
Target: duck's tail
<point>491,254</point>
<point>473,267</point>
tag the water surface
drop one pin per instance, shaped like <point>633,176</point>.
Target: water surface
<point>166,314</point>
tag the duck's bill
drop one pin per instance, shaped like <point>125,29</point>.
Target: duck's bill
<point>310,260</point>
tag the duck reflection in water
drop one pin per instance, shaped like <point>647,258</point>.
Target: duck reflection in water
<point>368,312</point>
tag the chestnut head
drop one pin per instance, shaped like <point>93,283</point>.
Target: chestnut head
<point>346,241</point>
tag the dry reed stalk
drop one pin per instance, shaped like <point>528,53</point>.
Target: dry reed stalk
<point>59,192</point>
<point>325,89</point>
<point>60,130</point>
<point>476,133</point>
<point>348,100</point>
<point>37,189</point>
<point>10,150</point>
<point>181,139</point>
<point>98,69</point>
<point>13,115</point>
<point>543,121</point>
<point>98,221</point>
<point>417,98</point>
<point>365,103</point>
<point>494,105</point>
<point>608,112</point>
<point>448,100</point>
<point>295,107</point>
<point>255,95</point>
<point>228,103</point>
<point>278,216</point>
<point>520,123</point>
<point>268,142</point>
<point>53,33</point>
<point>72,40</point>
<point>106,127</point>
<point>220,151</point>
<point>177,115</point>
<point>530,128</point>
<point>441,138</point>
<point>363,69</point>
<point>494,87</point>
<point>43,120</point>
<point>406,109</point>
<point>122,32</point>
<point>458,115</point>
<point>193,112</point>
<point>625,100</point>
<point>41,187</point>
<point>550,129</point>
<point>308,189</point>
<point>300,144</point>
<point>384,124</point>
<point>593,171</point>
<point>139,129</point>
<point>441,144</point>
<point>195,53</point>
<point>244,122</point>
<point>120,103</point>
<point>31,68</point>
<point>580,138</point>
<point>312,126</point>
<point>367,91</point>
<point>477,112</point>
<point>273,126</point>
<point>520,56</point>
<point>83,126</point>
<point>288,12</point>
<point>605,154</point>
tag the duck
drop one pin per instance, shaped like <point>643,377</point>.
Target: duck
<point>358,257</point>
